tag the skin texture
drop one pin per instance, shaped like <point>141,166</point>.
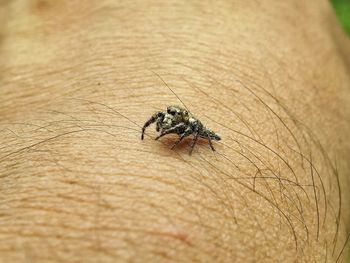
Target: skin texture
<point>78,82</point>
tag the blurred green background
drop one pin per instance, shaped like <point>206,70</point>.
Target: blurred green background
<point>342,9</point>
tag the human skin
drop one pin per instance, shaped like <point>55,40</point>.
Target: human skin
<point>79,79</point>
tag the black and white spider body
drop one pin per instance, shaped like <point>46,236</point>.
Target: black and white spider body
<point>180,121</point>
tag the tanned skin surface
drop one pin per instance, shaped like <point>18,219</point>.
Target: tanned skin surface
<point>78,79</point>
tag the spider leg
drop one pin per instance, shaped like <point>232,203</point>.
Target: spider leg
<point>171,130</point>
<point>194,141</point>
<point>153,119</point>
<point>159,122</point>
<point>210,142</point>
<point>158,125</point>
<point>186,133</point>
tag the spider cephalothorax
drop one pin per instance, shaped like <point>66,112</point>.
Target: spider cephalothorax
<point>180,121</point>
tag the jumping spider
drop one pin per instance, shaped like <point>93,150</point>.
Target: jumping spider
<point>180,121</point>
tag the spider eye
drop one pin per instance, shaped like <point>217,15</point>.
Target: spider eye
<point>171,111</point>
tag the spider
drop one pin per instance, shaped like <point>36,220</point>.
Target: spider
<point>180,121</point>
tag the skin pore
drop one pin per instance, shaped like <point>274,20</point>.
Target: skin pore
<point>79,79</point>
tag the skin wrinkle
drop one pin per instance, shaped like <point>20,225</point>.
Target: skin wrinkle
<point>259,171</point>
<point>274,205</point>
<point>247,202</point>
<point>315,196</point>
<point>334,173</point>
<point>316,200</point>
<point>247,205</point>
